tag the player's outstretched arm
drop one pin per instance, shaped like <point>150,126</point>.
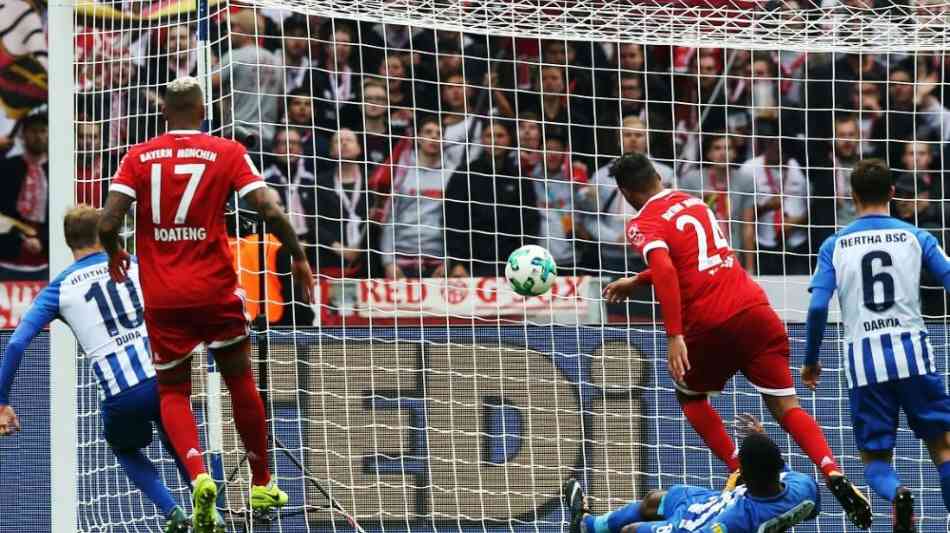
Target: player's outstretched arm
<point>265,202</point>
<point>117,205</point>
<point>667,287</point>
<point>42,312</point>
<point>619,290</point>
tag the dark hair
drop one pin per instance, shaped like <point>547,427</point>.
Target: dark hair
<point>428,119</point>
<point>634,172</point>
<point>295,23</point>
<point>79,226</point>
<point>761,459</point>
<point>871,181</point>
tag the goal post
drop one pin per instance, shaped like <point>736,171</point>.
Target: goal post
<point>446,402</point>
<point>64,459</point>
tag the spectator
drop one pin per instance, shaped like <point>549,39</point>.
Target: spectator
<point>866,99</point>
<point>560,112</point>
<point>336,83</point>
<point>917,160</point>
<point>913,202</point>
<point>394,71</point>
<point>556,183</point>
<point>252,75</point>
<point>529,144</point>
<point>603,214</point>
<point>781,207</point>
<point>629,101</point>
<point>24,206</point>
<point>379,39</point>
<point>296,54</point>
<point>342,209</point>
<point>731,195</point>
<point>460,129</point>
<point>90,176</point>
<point>412,241</point>
<point>175,56</point>
<point>376,133</point>
<point>299,116</point>
<point>288,175</point>
<point>486,218</point>
<point>564,54</point>
<point>844,156</point>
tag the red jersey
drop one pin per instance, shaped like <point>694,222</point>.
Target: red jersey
<point>713,285</point>
<point>181,182</point>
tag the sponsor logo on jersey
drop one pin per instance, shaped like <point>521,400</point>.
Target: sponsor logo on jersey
<point>180,234</point>
<point>634,236</point>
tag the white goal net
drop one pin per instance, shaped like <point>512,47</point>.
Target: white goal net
<point>416,143</point>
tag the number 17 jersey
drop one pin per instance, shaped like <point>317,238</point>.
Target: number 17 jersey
<point>875,264</point>
<point>181,182</point>
<point>713,285</point>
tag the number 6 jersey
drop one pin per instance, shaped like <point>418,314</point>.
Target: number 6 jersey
<point>181,182</point>
<point>713,285</point>
<point>875,264</point>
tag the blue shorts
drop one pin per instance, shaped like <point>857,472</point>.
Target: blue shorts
<point>674,505</point>
<point>875,410</point>
<point>127,417</point>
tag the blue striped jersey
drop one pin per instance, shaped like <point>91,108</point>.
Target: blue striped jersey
<point>875,264</point>
<point>106,317</point>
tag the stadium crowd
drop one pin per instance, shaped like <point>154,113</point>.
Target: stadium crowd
<point>408,152</point>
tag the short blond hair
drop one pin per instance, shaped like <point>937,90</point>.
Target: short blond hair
<point>79,226</point>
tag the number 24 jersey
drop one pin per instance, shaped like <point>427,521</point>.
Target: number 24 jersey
<point>713,285</point>
<point>181,182</point>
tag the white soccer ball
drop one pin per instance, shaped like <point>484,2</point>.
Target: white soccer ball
<point>531,270</point>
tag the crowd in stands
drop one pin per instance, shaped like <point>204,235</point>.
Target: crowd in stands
<point>408,152</point>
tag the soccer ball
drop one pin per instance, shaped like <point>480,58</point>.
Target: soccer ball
<point>531,270</point>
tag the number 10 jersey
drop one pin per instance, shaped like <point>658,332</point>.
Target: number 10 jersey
<point>181,182</point>
<point>875,264</point>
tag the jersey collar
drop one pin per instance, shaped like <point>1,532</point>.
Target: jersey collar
<point>656,196</point>
<point>183,132</point>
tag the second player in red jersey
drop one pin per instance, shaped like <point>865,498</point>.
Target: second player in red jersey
<point>718,321</point>
<point>181,181</point>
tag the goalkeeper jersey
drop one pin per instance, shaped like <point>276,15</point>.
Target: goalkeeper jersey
<point>875,264</point>
<point>106,317</point>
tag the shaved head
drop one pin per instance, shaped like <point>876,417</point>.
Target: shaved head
<point>184,101</point>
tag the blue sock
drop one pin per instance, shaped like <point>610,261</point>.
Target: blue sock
<point>944,470</point>
<point>144,476</point>
<point>614,521</point>
<point>882,478</point>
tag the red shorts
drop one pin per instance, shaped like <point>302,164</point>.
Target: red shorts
<point>175,332</point>
<point>753,342</point>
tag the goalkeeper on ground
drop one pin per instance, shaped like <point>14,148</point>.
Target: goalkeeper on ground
<point>772,500</point>
<point>108,320</point>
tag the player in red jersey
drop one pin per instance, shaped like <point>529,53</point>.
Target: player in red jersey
<point>181,182</point>
<point>718,321</point>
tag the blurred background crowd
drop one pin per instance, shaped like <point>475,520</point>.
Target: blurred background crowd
<point>407,152</point>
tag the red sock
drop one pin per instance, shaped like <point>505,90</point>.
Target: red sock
<point>179,425</point>
<point>803,428</point>
<point>251,423</point>
<point>707,422</point>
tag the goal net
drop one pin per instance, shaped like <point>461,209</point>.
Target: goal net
<point>415,144</point>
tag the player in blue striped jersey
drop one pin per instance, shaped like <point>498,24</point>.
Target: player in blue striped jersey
<point>772,500</point>
<point>875,264</point>
<point>107,319</point>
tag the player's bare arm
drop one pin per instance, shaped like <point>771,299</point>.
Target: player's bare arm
<point>265,201</point>
<point>117,205</point>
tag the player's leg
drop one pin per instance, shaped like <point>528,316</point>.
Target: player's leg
<point>940,453</point>
<point>709,371</point>
<point>625,519</point>
<point>127,433</point>
<point>178,419</point>
<point>765,362</point>
<point>927,406</point>
<point>234,364</point>
<point>709,425</point>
